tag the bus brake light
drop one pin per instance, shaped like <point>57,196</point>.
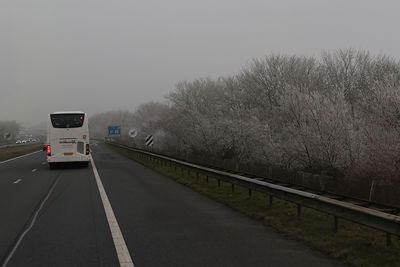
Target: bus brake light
<point>48,150</point>
<point>87,149</point>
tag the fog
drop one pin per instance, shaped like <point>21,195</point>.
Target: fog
<point>102,55</point>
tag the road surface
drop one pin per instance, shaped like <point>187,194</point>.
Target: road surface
<point>57,218</point>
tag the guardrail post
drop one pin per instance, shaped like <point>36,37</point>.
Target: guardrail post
<point>269,171</point>
<point>233,188</point>
<point>388,239</point>
<point>298,210</point>
<point>207,178</point>
<point>335,223</point>
<point>219,182</point>
<point>271,198</point>
<point>197,176</point>
<point>249,192</point>
<point>188,171</point>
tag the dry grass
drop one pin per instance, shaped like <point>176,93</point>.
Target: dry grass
<point>12,152</point>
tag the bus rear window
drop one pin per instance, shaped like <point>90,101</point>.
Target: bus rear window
<point>67,120</point>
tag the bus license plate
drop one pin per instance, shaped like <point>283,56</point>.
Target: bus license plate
<point>68,154</point>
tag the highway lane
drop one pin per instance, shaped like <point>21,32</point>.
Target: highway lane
<point>20,192</point>
<point>71,229</point>
<point>167,224</point>
<point>163,223</point>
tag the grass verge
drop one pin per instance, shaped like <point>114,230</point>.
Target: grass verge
<point>353,244</point>
<point>15,151</point>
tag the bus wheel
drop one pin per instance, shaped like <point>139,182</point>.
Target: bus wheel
<point>52,166</point>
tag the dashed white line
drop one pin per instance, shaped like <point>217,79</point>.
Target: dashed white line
<point>9,256</point>
<point>17,181</point>
<point>34,170</point>
<point>124,257</point>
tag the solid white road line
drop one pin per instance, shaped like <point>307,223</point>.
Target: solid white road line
<point>20,157</point>
<point>124,257</point>
<point>31,224</point>
<point>17,181</point>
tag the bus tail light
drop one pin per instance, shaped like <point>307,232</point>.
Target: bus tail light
<point>87,149</point>
<point>48,150</point>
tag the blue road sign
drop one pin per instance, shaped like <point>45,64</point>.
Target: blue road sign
<point>114,131</point>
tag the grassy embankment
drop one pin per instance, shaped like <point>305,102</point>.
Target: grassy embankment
<point>15,151</point>
<point>354,244</point>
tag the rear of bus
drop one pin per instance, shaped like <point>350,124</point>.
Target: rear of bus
<point>67,138</point>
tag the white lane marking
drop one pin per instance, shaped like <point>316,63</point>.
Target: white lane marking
<point>31,224</point>
<point>17,181</point>
<point>20,157</point>
<point>34,170</point>
<point>124,257</point>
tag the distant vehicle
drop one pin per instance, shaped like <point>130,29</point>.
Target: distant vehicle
<point>67,138</point>
<point>23,141</point>
<point>18,142</point>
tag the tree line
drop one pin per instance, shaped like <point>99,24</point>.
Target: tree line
<point>336,114</point>
<point>8,131</point>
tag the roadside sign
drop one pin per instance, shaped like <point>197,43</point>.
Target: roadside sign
<point>132,133</point>
<point>7,136</point>
<point>149,140</point>
<point>114,131</point>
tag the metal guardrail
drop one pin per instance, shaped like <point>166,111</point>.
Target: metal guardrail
<point>388,223</point>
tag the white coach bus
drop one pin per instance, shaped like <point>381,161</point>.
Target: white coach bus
<point>67,138</point>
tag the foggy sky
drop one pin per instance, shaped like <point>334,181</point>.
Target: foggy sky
<point>98,55</point>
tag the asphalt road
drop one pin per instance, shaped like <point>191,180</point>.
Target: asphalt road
<point>162,222</point>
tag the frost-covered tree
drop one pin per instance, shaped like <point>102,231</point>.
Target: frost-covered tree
<point>337,114</point>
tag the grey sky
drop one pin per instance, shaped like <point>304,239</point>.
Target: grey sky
<point>97,55</point>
